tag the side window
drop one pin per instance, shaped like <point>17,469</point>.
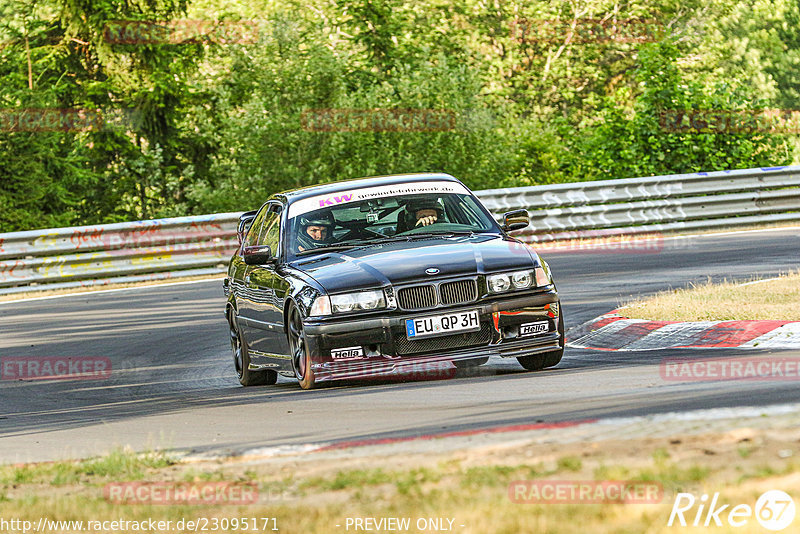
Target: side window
<point>251,239</point>
<point>270,231</point>
<point>464,211</point>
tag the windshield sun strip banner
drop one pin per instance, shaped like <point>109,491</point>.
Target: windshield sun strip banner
<point>355,195</point>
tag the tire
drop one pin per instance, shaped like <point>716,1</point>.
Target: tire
<point>241,359</point>
<point>301,360</point>
<point>466,364</point>
<point>537,362</point>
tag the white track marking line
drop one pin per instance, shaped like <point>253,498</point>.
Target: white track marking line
<point>599,429</point>
<point>87,293</point>
<point>731,232</point>
<point>757,282</point>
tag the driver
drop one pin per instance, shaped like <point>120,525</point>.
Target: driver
<point>316,230</point>
<point>426,211</point>
<point>418,213</point>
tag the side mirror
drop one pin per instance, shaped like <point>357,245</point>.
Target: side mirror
<point>515,220</point>
<point>258,255</point>
<point>245,220</point>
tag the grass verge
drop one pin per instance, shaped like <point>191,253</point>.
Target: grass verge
<point>312,494</point>
<point>777,299</point>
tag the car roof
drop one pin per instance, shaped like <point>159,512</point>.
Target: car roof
<point>335,187</point>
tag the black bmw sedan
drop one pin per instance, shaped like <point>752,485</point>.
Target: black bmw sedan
<point>368,277</point>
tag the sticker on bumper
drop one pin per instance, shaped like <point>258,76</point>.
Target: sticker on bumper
<point>531,329</point>
<point>347,353</point>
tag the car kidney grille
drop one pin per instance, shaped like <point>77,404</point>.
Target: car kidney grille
<point>424,296</point>
<point>404,345</point>
<point>459,292</point>
<point>417,297</point>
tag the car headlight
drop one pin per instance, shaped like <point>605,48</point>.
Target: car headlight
<point>500,283</point>
<point>521,279</point>
<point>362,300</point>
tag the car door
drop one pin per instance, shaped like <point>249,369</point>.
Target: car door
<point>239,272</point>
<point>267,290</point>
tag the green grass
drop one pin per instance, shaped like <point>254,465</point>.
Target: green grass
<point>473,490</point>
<point>348,480</point>
<point>569,463</point>
<point>117,464</point>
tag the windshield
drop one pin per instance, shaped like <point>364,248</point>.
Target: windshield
<point>384,213</point>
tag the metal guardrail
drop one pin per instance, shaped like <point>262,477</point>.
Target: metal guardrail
<point>697,201</point>
<point>116,253</point>
<point>185,246</point>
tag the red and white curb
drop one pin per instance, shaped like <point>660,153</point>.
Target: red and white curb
<point>615,332</point>
<point>669,424</point>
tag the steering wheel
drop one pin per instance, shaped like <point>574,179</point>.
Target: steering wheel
<point>439,226</point>
<point>358,233</point>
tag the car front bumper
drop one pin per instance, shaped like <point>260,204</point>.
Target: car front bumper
<point>386,346</point>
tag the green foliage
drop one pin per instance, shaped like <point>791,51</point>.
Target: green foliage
<point>192,125</point>
<point>267,147</point>
<point>633,140</point>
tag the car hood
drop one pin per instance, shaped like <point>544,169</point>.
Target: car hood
<point>406,261</point>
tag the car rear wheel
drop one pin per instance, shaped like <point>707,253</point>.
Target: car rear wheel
<point>241,359</point>
<point>301,360</point>
<point>537,362</point>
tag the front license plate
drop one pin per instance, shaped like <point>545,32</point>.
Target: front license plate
<point>437,325</point>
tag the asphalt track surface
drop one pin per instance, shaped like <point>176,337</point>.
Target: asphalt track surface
<point>173,384</point>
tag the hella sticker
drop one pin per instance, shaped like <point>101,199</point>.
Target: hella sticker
<point>531,329</point>
<point>347,353</point>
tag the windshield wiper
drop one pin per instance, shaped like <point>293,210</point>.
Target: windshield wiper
<point>330,248</point>
<point>376,241</point>
<point>344,245</point>
<point>442,232</point>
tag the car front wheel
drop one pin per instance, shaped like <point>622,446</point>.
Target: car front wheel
<point>301,360</point>
<point>537,362</point>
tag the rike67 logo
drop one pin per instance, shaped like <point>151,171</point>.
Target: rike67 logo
<point>774,510</point>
